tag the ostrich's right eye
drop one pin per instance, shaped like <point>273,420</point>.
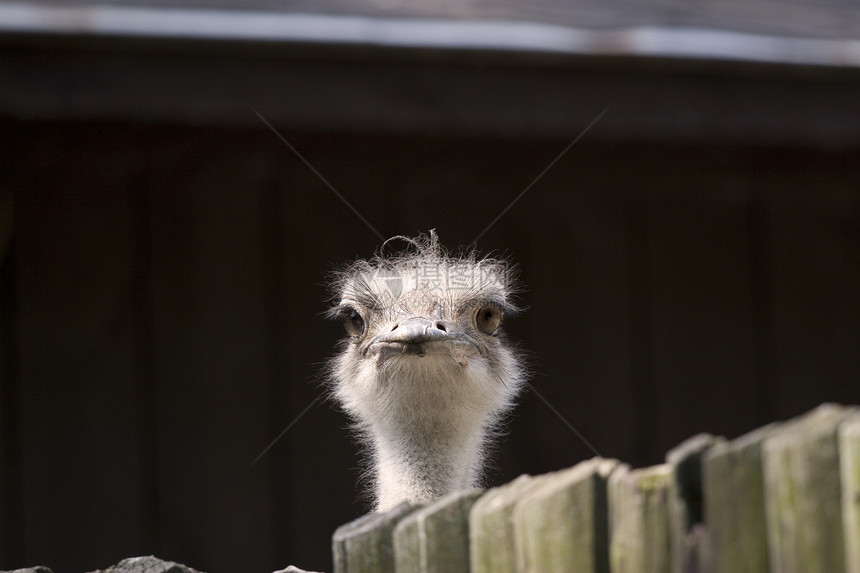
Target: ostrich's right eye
<point>353,323</point>
<point>487,319</point>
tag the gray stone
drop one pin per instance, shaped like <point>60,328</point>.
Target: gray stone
<point>147,564</point>
<point>294,569</point>
<point>36,569</point>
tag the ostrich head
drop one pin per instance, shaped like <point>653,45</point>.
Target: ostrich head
<point>425,372</point>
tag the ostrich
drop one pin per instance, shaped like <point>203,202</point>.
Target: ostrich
<point>426,372</point>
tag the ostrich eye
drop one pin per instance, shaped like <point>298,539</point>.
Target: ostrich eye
<point>353,323</point>
<point>487,319</point>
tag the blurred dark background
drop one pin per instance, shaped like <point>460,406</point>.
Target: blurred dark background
<point>692,263</point>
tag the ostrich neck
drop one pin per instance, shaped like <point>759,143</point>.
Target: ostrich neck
<point>420,458</point>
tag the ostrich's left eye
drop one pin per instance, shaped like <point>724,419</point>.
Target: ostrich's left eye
<point>353,323</point>
<point>487,319</point>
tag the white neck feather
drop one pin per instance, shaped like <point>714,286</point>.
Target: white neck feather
<point>422,460</point>
<point>426,422</point>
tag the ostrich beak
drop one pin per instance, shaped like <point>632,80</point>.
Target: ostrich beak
<point>416,336</point>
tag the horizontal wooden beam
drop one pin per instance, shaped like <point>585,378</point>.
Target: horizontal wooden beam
<point>352,89</point>
<point>626,31</point>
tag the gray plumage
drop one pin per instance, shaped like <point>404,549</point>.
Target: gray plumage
<point>426,372</point>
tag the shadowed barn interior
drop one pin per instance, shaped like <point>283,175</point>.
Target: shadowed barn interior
<point>170,206</point>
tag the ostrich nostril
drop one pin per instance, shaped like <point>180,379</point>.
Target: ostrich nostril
<point>393,328</point>
<point>441,326</point>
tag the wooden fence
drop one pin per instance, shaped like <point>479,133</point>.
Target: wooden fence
<point>783,499</point>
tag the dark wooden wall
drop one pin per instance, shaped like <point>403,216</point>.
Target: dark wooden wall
<point>162,289</point>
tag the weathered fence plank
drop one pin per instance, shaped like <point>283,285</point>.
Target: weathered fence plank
<point>803,494</point>
<point>784,498</point>
<point>849,460</point>
<point>366,545</point>
<point>638,514</point>
<point>733,491</point>
<point>563,524</point>
<point>491,528</point>
<point>435,539</point>
<point>686,521</point>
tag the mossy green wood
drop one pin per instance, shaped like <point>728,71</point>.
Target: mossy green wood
<point>491,527</point>
<point>685,501</point>
<point>366,545</point>
<point>803,494</point>
<point>563,525</point>
<point>733,493</point>
<point>435,539</point>
<point>849,460</point>
<point>639,520</point>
